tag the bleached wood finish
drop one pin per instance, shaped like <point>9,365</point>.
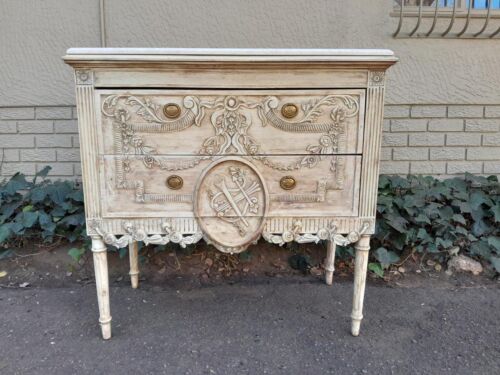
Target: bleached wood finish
<point>360,268</point>
<point>229,145</point>
<point>259,119</point>
<point>133,252</point>
<point>330,262</point>
<point>319,190</point>
<point>102,285</point>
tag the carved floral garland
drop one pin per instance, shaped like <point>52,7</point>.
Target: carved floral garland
<point>134,234</point>
<point>231,122</point>
<point>329,233</point>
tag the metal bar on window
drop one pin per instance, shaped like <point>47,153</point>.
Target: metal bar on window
<point>485,22</point>
<point>452,19</point>
<point>419,19</point>
<point>471,2</point>
<point>495,33</point>
<point>400,24</point>
<point>434,20</point>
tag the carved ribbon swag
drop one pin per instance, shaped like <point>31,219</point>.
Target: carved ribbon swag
<point>134,234</point>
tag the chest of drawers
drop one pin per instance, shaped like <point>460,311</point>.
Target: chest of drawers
<point>230,146</point>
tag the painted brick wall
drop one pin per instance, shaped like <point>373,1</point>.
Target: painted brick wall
<point>441,139</point>
<point>33,137</point>
<point>420,139</point>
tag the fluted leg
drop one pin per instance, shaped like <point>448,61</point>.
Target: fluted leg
<point>330,262</point>
<point>102,285</point>
<point>360,268</point>
<point>133,251</point>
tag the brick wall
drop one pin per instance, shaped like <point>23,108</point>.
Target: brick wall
<point>33,137</point>
<point>441,139</point>
<point>418,139</point>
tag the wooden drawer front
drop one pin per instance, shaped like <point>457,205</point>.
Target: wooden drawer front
<point>326,185</point>
<point>204,122</point>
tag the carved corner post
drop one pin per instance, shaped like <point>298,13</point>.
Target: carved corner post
<point>360,268</point>
<point>102,284</point>
<point>87,126</point>
<point>330,262</point>
<point>369,185</point>
<point>133,251</point>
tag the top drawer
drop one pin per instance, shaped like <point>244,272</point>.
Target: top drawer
<point>221,122</point>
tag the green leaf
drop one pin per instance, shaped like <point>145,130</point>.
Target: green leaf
<point>28,219</point>
<point>38,194</point>
<point>480,227</point>
<point>122,252</point>
<point>461,230</point>
<point>76,219</point>
<point>494,242</point>
<point>423,235</point>
<point>44,172</point>
<point>421,218</point>
<point>459,219</point>
<point>377,269</point>
<point>385,257</point>
<point>496,211</point>
<point>397,222</point>
<point>477,198</point>
<point>59,192</point>
<point>446,213</point>
<point>28,208</point>
<point>5,232</point>
<point>464,206</point>
<point>480,248</point>
<point>438,192</point>
<point>445,244</point>
<point>76,253</point>
<point>398,240</point>
<point>76,195</point>
<point>6,210</point>
<point>495,261</point>
<point>46,223</point>
<point>16,183</point>
<point>432,248</point>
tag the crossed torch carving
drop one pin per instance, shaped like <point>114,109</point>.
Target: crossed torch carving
<point>233,203</point>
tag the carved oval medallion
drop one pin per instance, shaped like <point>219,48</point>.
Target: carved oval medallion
<point>231,202</point>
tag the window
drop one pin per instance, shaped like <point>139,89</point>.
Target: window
<point>475,4</point>
<point>447,18</point>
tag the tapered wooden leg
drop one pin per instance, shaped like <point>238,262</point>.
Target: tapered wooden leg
<point>133,251</point>
<point>102,285</point>
<point>360,268</point>
<point>330,262</point>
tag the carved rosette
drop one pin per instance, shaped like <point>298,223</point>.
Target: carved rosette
<point>84,77</point>
<point>376,78</point>
<point>231,203</point>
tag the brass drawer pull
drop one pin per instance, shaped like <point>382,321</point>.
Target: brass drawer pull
<point>174,182</point>
<point>289,110</point>
<point>171,110</point>
<point>288,183</point>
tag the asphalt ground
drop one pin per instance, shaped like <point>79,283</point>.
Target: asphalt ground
<point>260,326</point>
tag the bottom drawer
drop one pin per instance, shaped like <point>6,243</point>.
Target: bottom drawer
<point>191,186</point>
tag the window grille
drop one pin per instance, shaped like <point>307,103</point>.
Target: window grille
<point>447,18</point>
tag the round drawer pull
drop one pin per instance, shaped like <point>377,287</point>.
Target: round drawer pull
<point>174,182</point>
<point>288,183</point>
<point>171,110</point>
<point>289,110</point>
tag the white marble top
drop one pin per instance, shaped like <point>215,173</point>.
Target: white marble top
<point>227,54</point>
